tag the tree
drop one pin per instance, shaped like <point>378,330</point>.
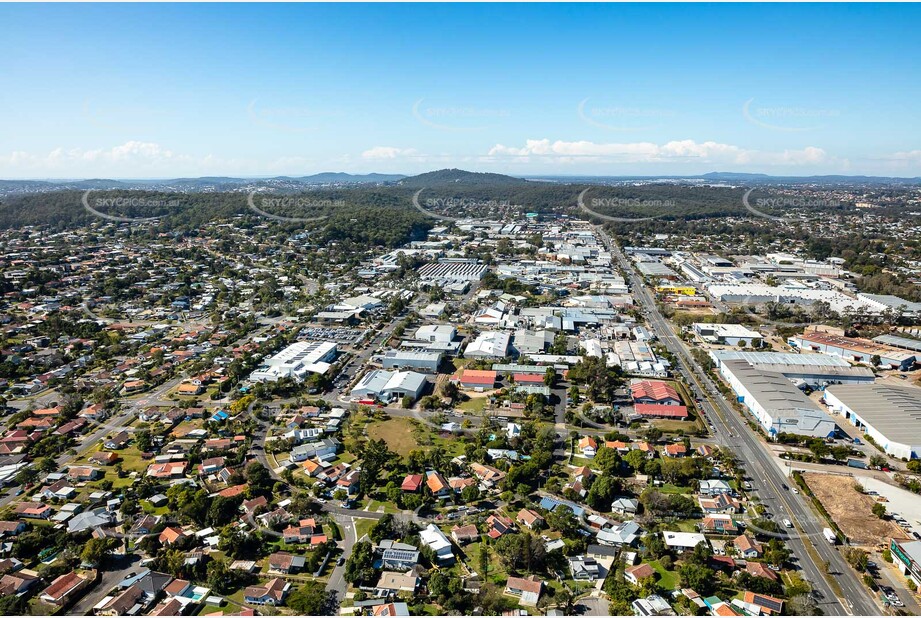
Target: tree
<point>879,509</point>
<point>603,492</point>
<point>220,578</point>
<point>360,566</point>
<point>471,493</point>
<point>96,550</point>
<point>696,577</point>
<point>374,458</point>
<point>563,519</point>
<point>312,599</point>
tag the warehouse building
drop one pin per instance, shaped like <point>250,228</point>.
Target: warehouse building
<point>890,414</point>
<point>908,558</point>
<point>855,350</point>
<point>441,333</point>
<point>389,385</point>
<point>813,370</point>
<point>411,360</point>
<point>775,402</point>
<point>727,334</point>
<point>489,344</point>
<point>296,361</point>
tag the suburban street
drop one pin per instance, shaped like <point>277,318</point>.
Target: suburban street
<point>767,478</point>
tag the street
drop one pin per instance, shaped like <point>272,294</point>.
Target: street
<point>767,478</point>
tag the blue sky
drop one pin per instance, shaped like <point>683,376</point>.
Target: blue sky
<point>132,91</point>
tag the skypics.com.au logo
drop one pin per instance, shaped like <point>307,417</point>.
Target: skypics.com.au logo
<point>457,118</point>
<point>620,202</point>
<point>789,119</point>
<point>133,202</point>
<point>620,118</point>
<point>289,203</point>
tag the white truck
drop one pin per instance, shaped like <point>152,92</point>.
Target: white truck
<point>830,536</point>
<point>787,523</point>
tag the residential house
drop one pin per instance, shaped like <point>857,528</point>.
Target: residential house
<point>636,574</point>
<point>392,582</point>
<point>397,556</point>
<point>747,547</point>
<point>437,485</point>
<point>465,534</point>
<point>584,568</point>
<point>273,592</point>
<point>527,589</point>
<point>34,510</point>
<point>720,503</point>
<point>719,523</point>
<point>283,563</point>
<point>498,525</point>
<point>675,450</point>
<point>118,441</point>
<point>589,446</point>
<point>121,604</point>
<point>65,588</point>
<point>682,541</point>
<point>625,506</point>
<point>438,543</point>
<point>713,487</point>
<point>530,519</point>
<point>412,483</point>
<point>171,535</point>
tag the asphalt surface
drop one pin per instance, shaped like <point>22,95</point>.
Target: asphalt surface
<point>767,478</point>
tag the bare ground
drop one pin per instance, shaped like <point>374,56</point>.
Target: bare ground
<point>851,509</point>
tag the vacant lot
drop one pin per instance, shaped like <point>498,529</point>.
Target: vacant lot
<point>396,432</point>
<point>851,509</point>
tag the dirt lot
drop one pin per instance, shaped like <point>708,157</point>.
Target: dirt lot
<point>851,509</point>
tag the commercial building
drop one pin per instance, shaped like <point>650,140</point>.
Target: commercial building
<point>489,344</point>
<point>813,370</point>
<point>389,385</point>
<point>296,361</point>
<point>411,360</point>
<point>727,334</point>
<point>907,556</point>
<point>452,271</point>
<point>889,414</point>
<point>441,333</point>
<point>856,350</point>
<point>775,402</point>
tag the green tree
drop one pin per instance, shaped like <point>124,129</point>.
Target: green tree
<point>879,509</point>
<point>312,599</point>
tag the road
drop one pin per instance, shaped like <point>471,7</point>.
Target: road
<point>768,479</point>
<point>337,581</point>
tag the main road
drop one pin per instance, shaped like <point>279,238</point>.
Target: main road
<point>767,478</point>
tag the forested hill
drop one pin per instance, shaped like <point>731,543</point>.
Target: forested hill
<point>461,177</point>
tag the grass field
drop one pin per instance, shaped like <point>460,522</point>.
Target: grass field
<point>396,432</point>
<point>363,526</point>
<point>474,405</point>
<point>667,579</point>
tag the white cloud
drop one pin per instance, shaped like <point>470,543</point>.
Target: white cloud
<point>387,152</point>
<point>648,152</point>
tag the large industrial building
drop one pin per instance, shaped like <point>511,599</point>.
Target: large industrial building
<point>489,344</point>
<point>813,370</point>
<point>907,556</point>
<point>389,385</point>
<point>775,402</point>
<point>296,361</point>
<point>855,350</point>
<point>727,334</point>
<point>411,360</point>
<point>890,414</point>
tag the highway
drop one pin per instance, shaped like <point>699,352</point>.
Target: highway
<point>767,478</point>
